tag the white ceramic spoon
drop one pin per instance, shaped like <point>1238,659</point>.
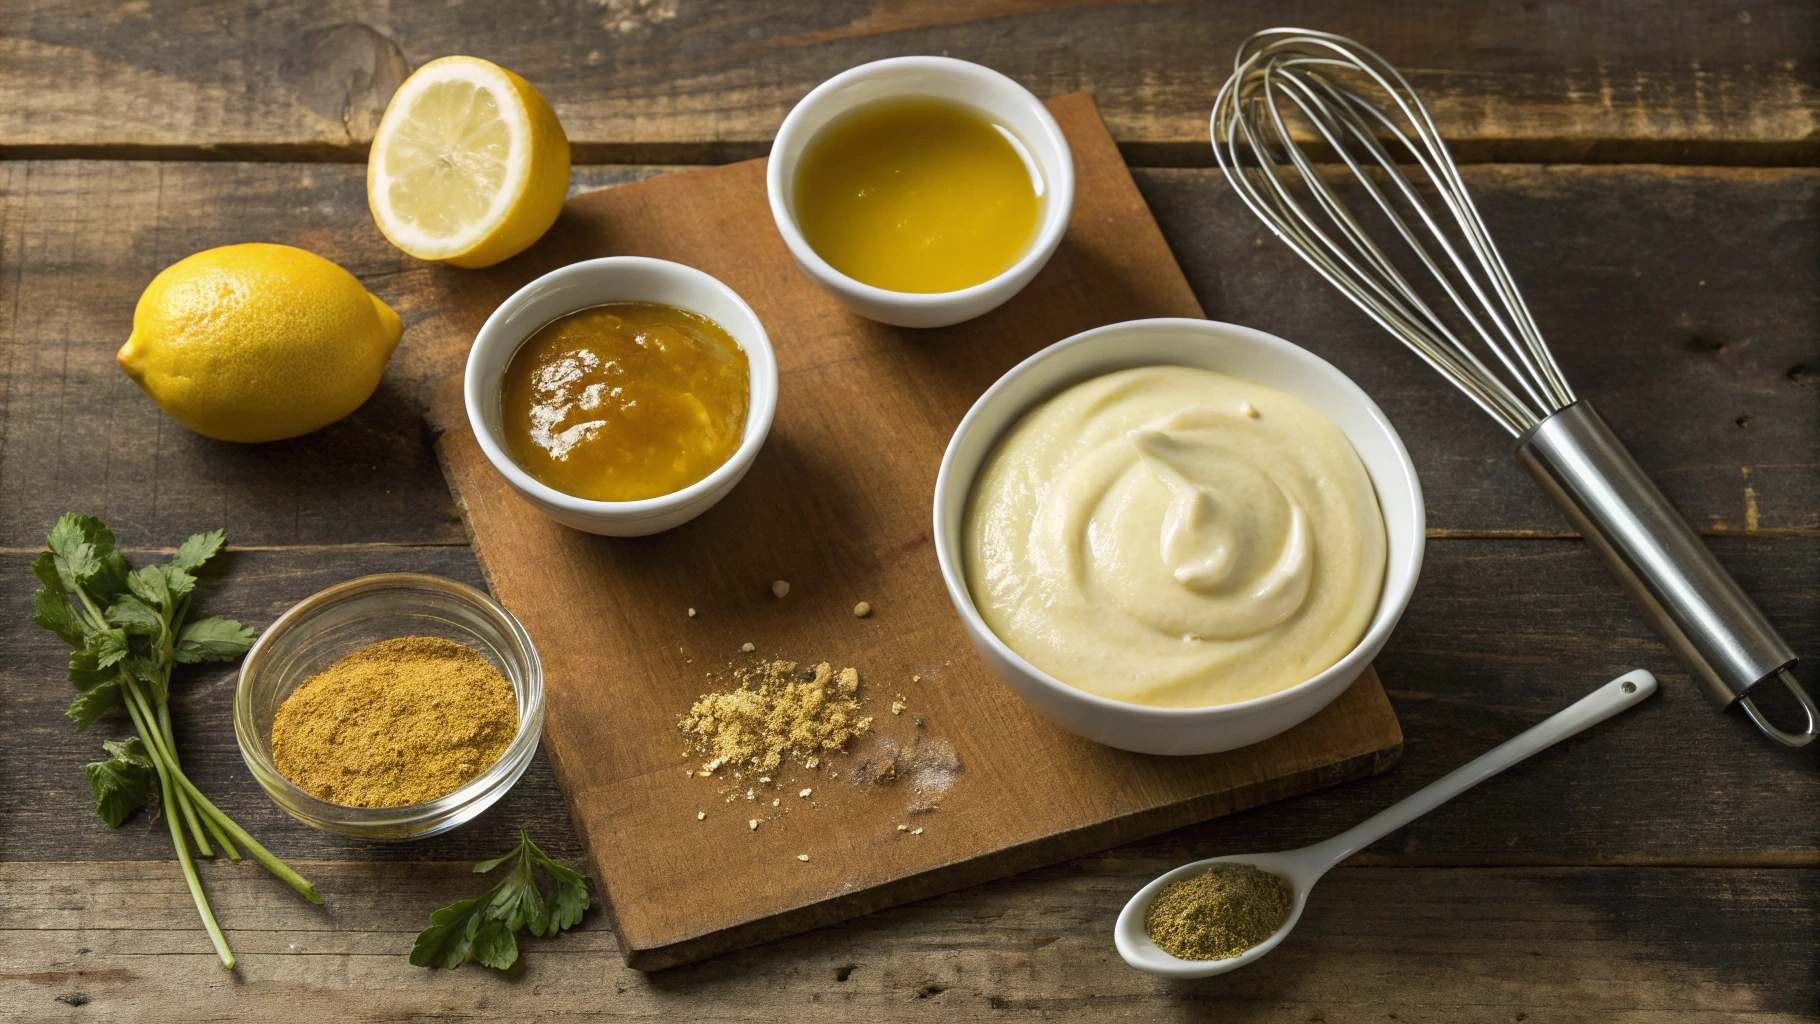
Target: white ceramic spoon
<point>1304,867</point>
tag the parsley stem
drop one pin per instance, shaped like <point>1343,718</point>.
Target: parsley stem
<point>183,800</point>
<point>189,818</point>
<point>227,845</point>
<point>182,803</point>
<point>96,619</point>
<point>167,746</point>
<point>183,851</point>
<point>277,867</point>
<point>260,853</point>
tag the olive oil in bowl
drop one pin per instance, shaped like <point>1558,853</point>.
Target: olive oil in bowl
<point>918,196</point>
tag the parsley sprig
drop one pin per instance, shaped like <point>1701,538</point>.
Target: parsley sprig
<point>128,632</point>
<point>481,929</point>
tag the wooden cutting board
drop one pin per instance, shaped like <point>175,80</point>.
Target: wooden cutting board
<point>838,504</point>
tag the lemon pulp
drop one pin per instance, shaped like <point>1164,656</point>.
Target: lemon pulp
<point>447,164</point>
<point>918,196</point>
<point>625,401</point>
<point>469,165</point>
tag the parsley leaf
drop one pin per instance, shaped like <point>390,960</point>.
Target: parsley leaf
<point>445,942</point>
<point>87,555</point>
<point>88,707</point>
<point>109,646</point>
<point>481,929</point>
<point>122,782</point>
<point>213,640</point>
<point>86,672</point>
<point>493,945</point>
<point>177,581</point>
<point>571,894</point>
<point>53,608</point>
<point>149,585</point>
<point>45,568</point>
<point>199,548</point>
<point>54,612</point>
<point>135,616</point>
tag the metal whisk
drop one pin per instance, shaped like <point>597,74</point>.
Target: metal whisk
<point>1485,342</point>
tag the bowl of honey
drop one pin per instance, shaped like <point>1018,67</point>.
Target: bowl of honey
<point>921,191</point>
<point>624,395</point>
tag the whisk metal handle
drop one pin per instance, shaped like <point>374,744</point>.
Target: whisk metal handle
<point>1717,631</point>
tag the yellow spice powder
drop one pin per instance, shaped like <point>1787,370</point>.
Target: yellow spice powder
<point>779,711</point>
<point>1217,915</point>
<point>400,722</point>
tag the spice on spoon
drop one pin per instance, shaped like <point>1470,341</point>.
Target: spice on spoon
<point>400,722</point>
<point>1219,914</point>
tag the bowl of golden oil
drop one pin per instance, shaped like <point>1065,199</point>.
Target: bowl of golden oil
<point>921,191</point>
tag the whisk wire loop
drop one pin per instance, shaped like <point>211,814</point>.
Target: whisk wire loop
<point>1343,115</point>
<point>1386,303</point>
<point>1282,71</point>
<point>1343,96</point>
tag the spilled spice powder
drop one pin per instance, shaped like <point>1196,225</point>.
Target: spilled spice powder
<point>400,722</point>
<point>1219,914</point>
<point>778,712</point>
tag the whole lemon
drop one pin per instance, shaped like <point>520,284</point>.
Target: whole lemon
<point>258,342</point>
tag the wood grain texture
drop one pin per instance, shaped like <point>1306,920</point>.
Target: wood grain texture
<point>1500,634</point>
<point>1561,945</point>
<point>843,516</point>
<point>682,81</point>
<point>1658,293</point>
<point>78,243</point>
<point>1612,260</point>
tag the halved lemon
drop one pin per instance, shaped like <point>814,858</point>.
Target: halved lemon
<point>469,166</point>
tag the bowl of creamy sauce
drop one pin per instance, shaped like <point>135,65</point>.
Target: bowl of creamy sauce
<point>1178,536</point>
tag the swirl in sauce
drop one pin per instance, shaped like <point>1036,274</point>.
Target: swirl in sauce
<point>1176,537</point>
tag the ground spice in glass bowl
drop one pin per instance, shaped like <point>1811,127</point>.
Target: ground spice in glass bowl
<point>401,722</point>
<point>401,687</point>
<point>1220,913</point>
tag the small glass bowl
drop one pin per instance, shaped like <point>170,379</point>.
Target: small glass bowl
<point>352,615</point>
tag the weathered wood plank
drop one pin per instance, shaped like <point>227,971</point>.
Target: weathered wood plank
<point>1681,303</point>
<point>1680,300</point>
<point>79,242</point>
<point>829,509</point>
<point>1500,635</point>
<point>43,754</point>
<point>663,80</point>
<point>1635,946</point>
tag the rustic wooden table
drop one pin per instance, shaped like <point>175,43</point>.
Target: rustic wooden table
<point>1648,166</point>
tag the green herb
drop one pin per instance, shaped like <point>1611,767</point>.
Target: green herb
<point>481,929</point>
<point>127,630</point>
<point>123,781</point>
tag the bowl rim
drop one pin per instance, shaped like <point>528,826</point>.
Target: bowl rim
<point>1385,615</point>
<point>761,369</point>
<point>1058,204</point>
<point>312,810</point>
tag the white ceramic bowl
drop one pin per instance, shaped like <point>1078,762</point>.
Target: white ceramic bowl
<point>1241,352</point>
<point>593,283</point>
<point>995,97</point>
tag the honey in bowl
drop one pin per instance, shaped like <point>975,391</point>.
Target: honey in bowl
<point>920,196</point>
<point>625,401</point>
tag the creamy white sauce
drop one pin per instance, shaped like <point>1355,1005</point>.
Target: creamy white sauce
<point>1175,537</point>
